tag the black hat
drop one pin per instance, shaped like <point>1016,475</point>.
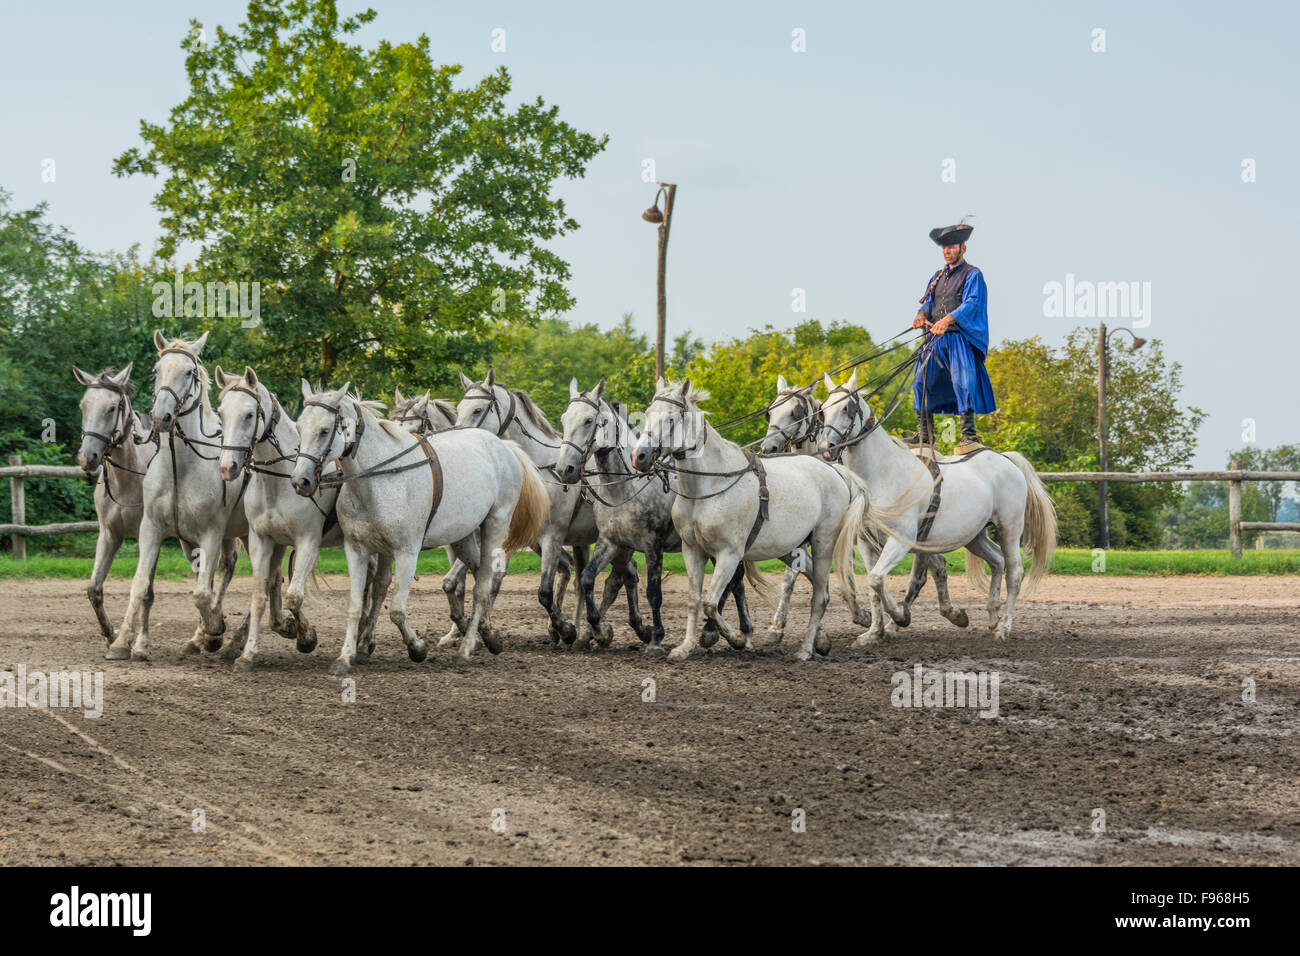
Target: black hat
<point>951,235</point>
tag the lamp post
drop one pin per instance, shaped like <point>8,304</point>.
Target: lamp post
<point>1103,375</point>
<point>665,220</point>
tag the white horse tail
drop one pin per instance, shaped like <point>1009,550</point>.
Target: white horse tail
<point>758,582</point>
<point>1040,524</point>
<point>853,524</point>
<point>533,509</point>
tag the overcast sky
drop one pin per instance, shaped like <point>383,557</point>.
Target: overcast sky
<point>821,170</point>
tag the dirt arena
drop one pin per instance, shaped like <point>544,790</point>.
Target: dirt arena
<point>1123,695</point>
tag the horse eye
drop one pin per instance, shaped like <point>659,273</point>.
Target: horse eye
<point>587,422</point>
<point>324,432</point>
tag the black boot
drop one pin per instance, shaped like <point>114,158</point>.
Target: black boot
<point>969,440</point>
<point>924,430</point>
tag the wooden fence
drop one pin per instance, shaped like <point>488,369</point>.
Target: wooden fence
<point>20,530</point>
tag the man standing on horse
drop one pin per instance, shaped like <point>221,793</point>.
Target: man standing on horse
<point>951,378</point>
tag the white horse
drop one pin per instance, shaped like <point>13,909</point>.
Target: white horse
<point>513,415</point>
<point>116,437</point>
<point>403,493</point>
<point>975,490</point>
<point>260,440</point>
<point>184,498</point>
<point>720,508</point>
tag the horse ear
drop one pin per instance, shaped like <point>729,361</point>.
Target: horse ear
<point>852,383</point>
<point>781,383</point>
<point>220,377</point>
<point>197,345</point>
<point>121,377</point>
<point>465,380</point>
<point>659,385</point>
<point>827,381</point>
<point>159,342</point>
<point>574,391</point>
<point>397,397</point>
<point>250,376</point>
<point>81,376</point>
<point>686,387</point>
<point>306,390</point>
<point>599,390</point>
<point>492,377</point>
<point>342,393</point>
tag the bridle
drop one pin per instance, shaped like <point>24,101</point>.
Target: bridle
<point>268,433</point>
<point>122,417</point>
<point>680,403</point>
<point>426,423</point>
<point>807,418</point>
<point>490,393</point>
<point>348,450</point>
<point>586,449</point>
<point>847,437</point>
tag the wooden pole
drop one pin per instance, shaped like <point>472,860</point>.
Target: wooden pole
<point>1234,513</point>
<point>18,505</point>
<point>1103,512</point>
<point>661,327</point>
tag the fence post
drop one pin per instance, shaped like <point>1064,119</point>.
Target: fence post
<point>18,505</point>
<point>1234,512</point>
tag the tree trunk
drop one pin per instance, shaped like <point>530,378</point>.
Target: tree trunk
<point>329,360</point>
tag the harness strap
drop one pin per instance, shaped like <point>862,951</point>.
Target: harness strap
<point>927,521</point>
<point>756,464</point>
<point>435,471</point>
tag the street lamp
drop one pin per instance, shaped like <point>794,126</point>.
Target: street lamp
<point>664,219</point>
<point>1103,374</point>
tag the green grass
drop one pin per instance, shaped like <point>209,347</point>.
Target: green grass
<point>172,564</point>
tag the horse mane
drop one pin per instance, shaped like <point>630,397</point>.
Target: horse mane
<point>128,386</point>
<point>535,415</point>
<point>694,396</point>
<point>368,410</point>
<point>446,407</point>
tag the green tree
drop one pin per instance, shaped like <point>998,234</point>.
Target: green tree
<point>393,218</point>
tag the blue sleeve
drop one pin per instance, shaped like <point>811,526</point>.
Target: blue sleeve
<point>928,302</point>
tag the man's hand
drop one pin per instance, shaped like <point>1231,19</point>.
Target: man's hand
<point>943,325</point>
<point>920,321</point>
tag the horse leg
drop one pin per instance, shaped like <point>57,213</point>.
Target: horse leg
<point>983,548</point>
<point>263,553</point>
<point>605,551</point>
<point>553,557</point>
<point>105,550</point>
<point>654,594</point>
<point>358,571</point>
<point>491,535</point>
<point>866,612</point>
<point>1009,539</point>
<point>304,561</point>
<point>122,648</point>
<point>822,552</point>
<point>282,622</point>
<point>453,585</point>
<point>404,574</point>
<point>893,552</point>
<point>622,577</point>
<point>377,580</point>
<point>736,588</point>
<point>939,566</point>
<point>580,555</point>
<point>694,559</point>
<point>795,563</point>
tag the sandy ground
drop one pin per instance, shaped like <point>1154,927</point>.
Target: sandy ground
<point>1121,696</point>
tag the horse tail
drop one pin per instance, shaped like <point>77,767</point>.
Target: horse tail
<point>533,509</point>
<point>853,524</point>
<point>759,581</point>
<point>1040,524</point>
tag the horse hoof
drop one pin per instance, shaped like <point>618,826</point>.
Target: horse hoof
<point>306,643</point>
<point>340,666</point>
<point>491,639</point>
<point>708,637</point>
<point>646,632</point>
<point>679,653</point>
<point>606,636</point>
<point>822,644</point>
<point>290,629</point>
<point>218,632</point>
<point>960,619</point>
<point>551,632</point>
<point>568,633</point>
<point>190,648</point>
<point>865,640</point>
<point>362,656</point>
<point>737,641</point>
<point>230,653</point>
<point>583,641</point>
<point>139,655</point>
<point>655,650</point>
<point>213,642</point>
<point>803,655</point>
<point>117,654</point>
<point>418,650</point>
<point>243,664</point>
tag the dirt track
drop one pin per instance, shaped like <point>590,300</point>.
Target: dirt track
<point>1122,694</point>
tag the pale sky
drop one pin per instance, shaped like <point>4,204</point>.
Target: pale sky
<point>819,170</point>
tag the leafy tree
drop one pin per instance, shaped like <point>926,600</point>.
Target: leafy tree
<point>393,218</point>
